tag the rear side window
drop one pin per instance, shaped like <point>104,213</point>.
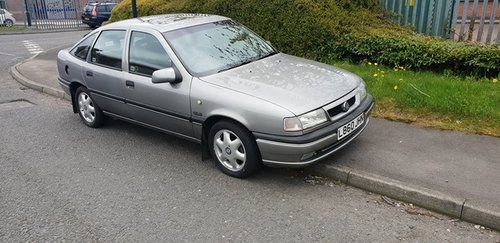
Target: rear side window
<point>82,49</point>
<point>147,54</point>
<point>101,8</point>
<point>110,7</point>
<point>108,49</point>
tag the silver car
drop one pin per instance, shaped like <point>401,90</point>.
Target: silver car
<point>210,80</point>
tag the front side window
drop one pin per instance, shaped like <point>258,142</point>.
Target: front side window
<point>147,54</point>
<point>108,49</point>
<point>82,49</point>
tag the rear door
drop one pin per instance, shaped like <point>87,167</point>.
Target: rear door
<point>103,71</point>
<point>165,106</point>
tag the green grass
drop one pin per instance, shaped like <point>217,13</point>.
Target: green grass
<point>13,28</point>
<point>432,99</point>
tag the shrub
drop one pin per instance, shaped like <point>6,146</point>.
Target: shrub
<point>416,51</point>
<point>331,29</point>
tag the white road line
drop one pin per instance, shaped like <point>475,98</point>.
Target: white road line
<point>32,47</point>
<point>6,54</point>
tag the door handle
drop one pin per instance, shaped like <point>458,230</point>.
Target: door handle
<point>90,73</point>
<point>129,84</point>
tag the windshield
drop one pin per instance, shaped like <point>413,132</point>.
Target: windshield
<point>215,47</point>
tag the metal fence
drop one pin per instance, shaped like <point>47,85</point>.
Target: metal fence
<point>54,14</point>
<point>472,20</point>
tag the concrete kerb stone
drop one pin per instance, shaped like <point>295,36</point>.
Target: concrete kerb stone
<point>426,198</point>
<point>14,72</point>
<point>481,216</point>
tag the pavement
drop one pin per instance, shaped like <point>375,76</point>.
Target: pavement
<point>453,173</point>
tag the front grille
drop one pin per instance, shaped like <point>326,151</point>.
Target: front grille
<point>338,109</point>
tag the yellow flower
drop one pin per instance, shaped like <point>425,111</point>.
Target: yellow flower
<point>395,69</point>
<point>382,75</point>
<point>495,80</point>
<point>382,71</point>
<point>395,87</point>
<point>376,64</point>
<point>375,75</point>
<point>369,63</point>
<point>400,79</point>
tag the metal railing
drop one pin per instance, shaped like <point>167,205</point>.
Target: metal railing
<point>471,20</point>
<point>54,14</point>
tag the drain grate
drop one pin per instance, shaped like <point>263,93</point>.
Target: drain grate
<point>15,104</point>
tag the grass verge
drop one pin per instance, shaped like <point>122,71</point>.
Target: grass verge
<point>431,99</point>
<point>13,28</point>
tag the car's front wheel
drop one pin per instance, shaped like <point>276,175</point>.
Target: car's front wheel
<point>89,111</point>
<point>9,23</point>
<point>234,149</point>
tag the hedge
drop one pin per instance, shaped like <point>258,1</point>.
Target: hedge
<point>327,29</point>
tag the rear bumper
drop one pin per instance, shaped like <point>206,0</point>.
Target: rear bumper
<point>280,151</point>
<point>64,85</point>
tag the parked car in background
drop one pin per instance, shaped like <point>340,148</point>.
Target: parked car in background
<point>94,14</point>
<point>6,18</point>
<point>210,80</point>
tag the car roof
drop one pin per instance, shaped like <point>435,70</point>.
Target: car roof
<point>93,4</point>
<point>167,22</point>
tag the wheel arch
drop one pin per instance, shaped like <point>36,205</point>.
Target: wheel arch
<point>208,124</point>
<point>72,89</point>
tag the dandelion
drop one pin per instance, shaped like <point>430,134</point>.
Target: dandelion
<point>494,80</point>
<point>375,75</point>
<point>376,64</point>
<point>369,63</point>
<point>395,87</point>
<point>395,69</point>
<point>400,79</point>
<point>382,71</point>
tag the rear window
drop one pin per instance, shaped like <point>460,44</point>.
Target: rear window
<point>88,9</point>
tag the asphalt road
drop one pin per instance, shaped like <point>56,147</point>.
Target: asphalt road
<point>62,181</point>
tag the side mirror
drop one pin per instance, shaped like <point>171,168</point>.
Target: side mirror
<point>166,75</point>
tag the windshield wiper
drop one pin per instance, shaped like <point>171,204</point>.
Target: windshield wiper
<point>248,61</point>
<point>267,55</point>
<point>237,65</point>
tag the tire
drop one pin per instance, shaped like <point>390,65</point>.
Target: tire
<point>234,149</point>
<point>9,23</point>
<point>89,111</point>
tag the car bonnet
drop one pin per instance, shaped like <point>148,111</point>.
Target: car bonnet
<point>296,84</point>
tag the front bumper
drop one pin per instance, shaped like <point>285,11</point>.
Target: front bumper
<point>281,151</point>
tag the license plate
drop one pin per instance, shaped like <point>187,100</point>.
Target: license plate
<point>87,18</point>
<point>349,127</point>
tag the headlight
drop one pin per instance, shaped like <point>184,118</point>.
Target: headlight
<point>362,90</point>
<point>308,120</point>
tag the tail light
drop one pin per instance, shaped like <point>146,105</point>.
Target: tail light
<point>94,11</point>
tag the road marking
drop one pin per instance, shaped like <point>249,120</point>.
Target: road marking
<point>32,47</point>
<point>6,54</point>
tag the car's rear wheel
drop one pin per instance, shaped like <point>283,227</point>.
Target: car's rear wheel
<point>89,111</point>
<point>9,23</point>
<point>234,149</point>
